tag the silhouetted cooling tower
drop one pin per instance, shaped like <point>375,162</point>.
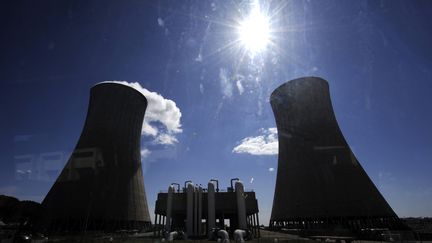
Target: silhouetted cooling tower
<point>101,186</point>
<point>319,181</point>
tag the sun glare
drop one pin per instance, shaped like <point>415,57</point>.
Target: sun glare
<point>254,31</point>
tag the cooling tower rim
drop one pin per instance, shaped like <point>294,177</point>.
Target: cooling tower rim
<point>280,88</point>
<point>121,83</point>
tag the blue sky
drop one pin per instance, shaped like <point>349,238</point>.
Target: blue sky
<point>375,55</point>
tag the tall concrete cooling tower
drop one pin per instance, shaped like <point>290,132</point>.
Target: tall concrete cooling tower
<point>101,187</point>
<point>320,182</point>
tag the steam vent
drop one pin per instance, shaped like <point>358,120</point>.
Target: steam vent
<point>320,183</point>
<point>102,187</point>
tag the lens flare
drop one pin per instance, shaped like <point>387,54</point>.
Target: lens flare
<point>254,31</point>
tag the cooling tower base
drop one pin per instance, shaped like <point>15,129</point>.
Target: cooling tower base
<point>353,223</point>
<point>73,225</point>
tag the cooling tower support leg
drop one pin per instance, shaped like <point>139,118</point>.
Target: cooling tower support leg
<point>257,219</point>
<point>255,231</point>
<point>155,226</point>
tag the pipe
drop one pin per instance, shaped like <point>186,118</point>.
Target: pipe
<point>172,235</point>
<point>178,186</point>
<point>239,235</point>
<point>189,208</point>
<point>234,179</point>
<point>171,190</point>
<point>241,205</point>
<point>182,235</point>
<point>186,183</point>
<point>223,234</point>
<point>211,214</point>
<point>217,184</point>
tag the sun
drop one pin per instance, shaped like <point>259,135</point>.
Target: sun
<point>254,31</point>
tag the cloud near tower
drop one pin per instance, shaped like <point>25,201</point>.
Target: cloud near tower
<point>162,119</point>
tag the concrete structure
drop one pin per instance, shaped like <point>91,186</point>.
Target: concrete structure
<point>101,187</point>
<point>320,183</point>
<point>196,210</point>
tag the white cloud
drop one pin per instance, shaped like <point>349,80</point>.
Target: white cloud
<point>264,144</point>
<point>240,87</point>
<point>166,139</point>
<point>145,153</point>
<point>226,86</point>
<point>199,57</point>
<point>259,112</point>
<point>201,87</point>
<point>162,116</point>
<point>271,169</point>
<point>161,23</point>
<point>147,129</point>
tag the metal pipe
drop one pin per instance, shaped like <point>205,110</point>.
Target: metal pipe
<point>178,186</point>
<point>241,205</point>
<point>239,235</point>
<point>195,215</point>
<point>189,208</point>
<point>211,215</point>
<point>200,191</point>
<point>234,179</point>
<point>223,234</point>
<point>186,183</point>
<point>171,190</point>
<point>217,184</point>
<point>172,235</point>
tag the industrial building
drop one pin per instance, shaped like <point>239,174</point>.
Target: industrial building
<point>102,187</point>
<point>200,212</point>
<point>320,184</point>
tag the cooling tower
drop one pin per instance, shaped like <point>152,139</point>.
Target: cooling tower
<point>319,182</point>
<point>101,187</point>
